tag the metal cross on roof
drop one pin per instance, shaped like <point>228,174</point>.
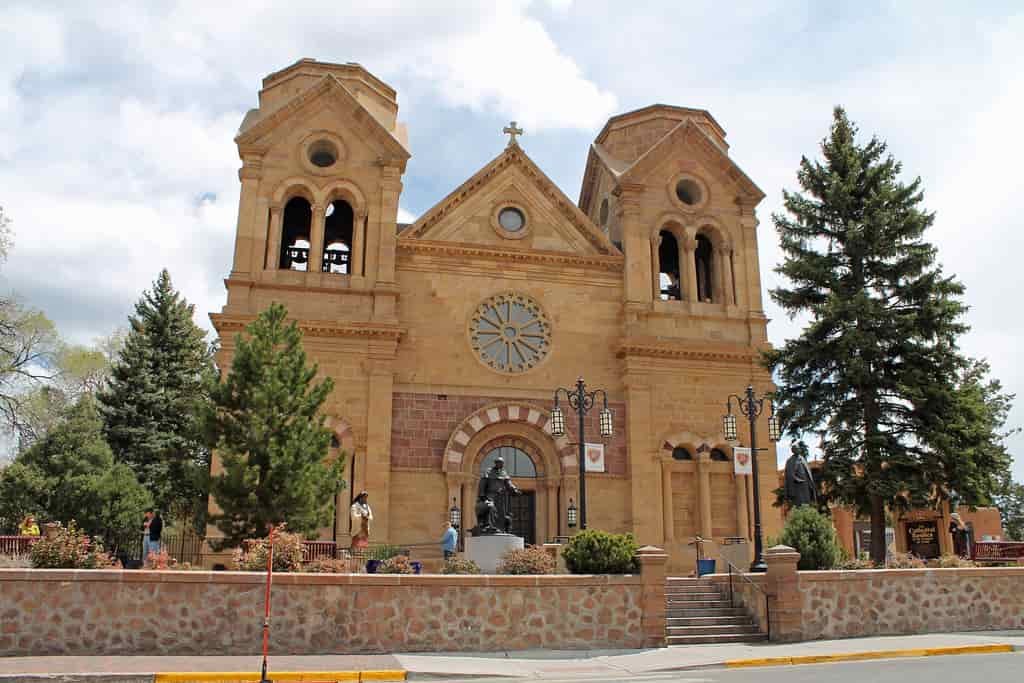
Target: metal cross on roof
<point>511,131</point>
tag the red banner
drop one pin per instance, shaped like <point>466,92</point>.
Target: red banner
<point>997,551</point>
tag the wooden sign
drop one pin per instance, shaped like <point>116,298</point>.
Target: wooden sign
<point>997,551</point>
<point>923,539</point>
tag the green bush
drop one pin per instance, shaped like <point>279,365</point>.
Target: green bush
<point>71,548</point>
<point>460,565</point>
<point>287,554</point>
<point>899,560</point>
<point>599,552</point>
<point>531,560</point>
<point>812,534</point>
<point>399,564</point>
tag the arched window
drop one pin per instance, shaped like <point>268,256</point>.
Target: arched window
<point>517,462</point>
<point>295,224</point>
<point>338,237</point>
<point>668,267</point>
<point>718,455</point>
<point>703,257</point>
<point>680,453</point>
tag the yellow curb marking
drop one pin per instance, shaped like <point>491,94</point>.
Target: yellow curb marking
<point>308,676</point>
<point>876,654</point>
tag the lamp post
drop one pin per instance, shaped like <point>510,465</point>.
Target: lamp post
<point>751,407</point>
<point>581,401</point>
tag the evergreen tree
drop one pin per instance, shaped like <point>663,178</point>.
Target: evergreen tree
<point>155,399</point>
<point>873,370</point>
<point>70,473</point>
<point>266,428</point>
<point>1010,501</point>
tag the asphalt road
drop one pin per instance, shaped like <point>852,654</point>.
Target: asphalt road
<point>1001,668</point>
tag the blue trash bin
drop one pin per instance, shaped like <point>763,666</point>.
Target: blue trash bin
<point>705,567</point>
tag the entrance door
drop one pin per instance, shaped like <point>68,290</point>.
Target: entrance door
<point>524,516</point>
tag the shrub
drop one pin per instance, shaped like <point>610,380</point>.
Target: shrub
<point>899,560</point>
<point>70,548</point>
<point>287,554</point>
<point>327,565</point>
<point>459,565</point>
<point>399,564</point>
<point>855,563</point>
<point>599,552</point>
<point>531,560</point>
<point>812,534</point>
<point>385,552</point>
<point>161,560</point>
<point>953,561</point>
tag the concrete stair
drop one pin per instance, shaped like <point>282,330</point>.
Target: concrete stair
<point>698,612</point>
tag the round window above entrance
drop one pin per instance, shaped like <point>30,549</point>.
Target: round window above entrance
<point>511,219</point>
<point>323,154</point>
<point>517,463</point>
<point>510,333</point>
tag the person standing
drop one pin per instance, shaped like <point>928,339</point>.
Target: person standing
<point>362,515</point>
<point>958,530</point>
<point>28,527</point>
<point>449,541</point>
<point>152,529</point>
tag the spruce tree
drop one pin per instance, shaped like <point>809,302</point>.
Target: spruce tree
<point>269,435</point>
<point>155,400</point>
<point>874,369</point>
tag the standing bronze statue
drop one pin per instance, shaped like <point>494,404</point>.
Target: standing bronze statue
<point>493,507</point>
<point>799,486</point>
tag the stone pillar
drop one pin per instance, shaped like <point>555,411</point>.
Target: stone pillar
<point>645,469</point>
<point>784,598</point>
<point>553,511</point>
<point>704,493</point>
<point>725,268</point>
<point>690,247</point>
<point>652,576</point>
<point>636,242</point>
<point>316,239</point>
<point>245,230</point>
<point>666,503</point>
<point>656,267</point>
<point>742,528</point>
<point>684,266</point>
<point>355,262</point>
<point>273,255</point>
<point>377,473</point>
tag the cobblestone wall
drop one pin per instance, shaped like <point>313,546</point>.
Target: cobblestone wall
<point>61,612</point>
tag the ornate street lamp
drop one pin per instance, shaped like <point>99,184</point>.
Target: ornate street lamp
<point>455,515</point>
<point>571,512</point>
<point>751,408</point>
<point>581,401</point>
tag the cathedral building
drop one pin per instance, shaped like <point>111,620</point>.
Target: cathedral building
<point>448,337</point>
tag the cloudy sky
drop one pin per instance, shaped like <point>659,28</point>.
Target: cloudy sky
<point>117,119</point>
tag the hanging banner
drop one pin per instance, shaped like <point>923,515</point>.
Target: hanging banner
<point>594,457</point>
<point>742,461</point>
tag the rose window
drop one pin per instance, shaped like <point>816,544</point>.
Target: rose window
<point>510,333</point>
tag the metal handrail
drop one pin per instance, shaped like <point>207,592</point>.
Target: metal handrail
<point>732,603</point>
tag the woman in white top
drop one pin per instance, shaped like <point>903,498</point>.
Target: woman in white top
<point>362,515</point>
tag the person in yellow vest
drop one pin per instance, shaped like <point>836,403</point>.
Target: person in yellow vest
<point>28,527</point>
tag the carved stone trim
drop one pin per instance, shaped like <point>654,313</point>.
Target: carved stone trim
<point>656,349</point>
<point>225,323</point>
<point>506,255</point>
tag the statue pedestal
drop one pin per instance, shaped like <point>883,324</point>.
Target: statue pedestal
<point>486,551</point>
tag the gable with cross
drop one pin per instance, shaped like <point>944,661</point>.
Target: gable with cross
<point>512,131</point>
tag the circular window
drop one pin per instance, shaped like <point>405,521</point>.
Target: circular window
<point>603,213</point>
<point>510,333</point>
<point>511,219</point>
<point>689,192</point>
<point>323,153</point>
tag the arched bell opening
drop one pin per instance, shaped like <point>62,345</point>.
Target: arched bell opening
<point>669,283</point>
<point>338,226</point>
<point>295,231</point>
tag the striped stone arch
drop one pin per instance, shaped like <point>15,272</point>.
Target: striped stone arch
<point>505,412</point>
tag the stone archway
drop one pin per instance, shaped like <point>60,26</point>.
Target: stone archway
<point>527,426</point>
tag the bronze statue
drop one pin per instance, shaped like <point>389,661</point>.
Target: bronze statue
<point>493,508</point>
<point>799,486</point>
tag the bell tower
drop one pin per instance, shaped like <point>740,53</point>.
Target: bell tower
<point>322,161</point>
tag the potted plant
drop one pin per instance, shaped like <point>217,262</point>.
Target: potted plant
<point>380,553</point>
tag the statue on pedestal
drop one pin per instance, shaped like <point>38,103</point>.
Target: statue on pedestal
<point>799,486</point>
<point>493,507</point>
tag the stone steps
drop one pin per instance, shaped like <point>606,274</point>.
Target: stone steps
<point>698,613</point>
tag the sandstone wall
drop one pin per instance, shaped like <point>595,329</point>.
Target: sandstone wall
<point>88,612</point>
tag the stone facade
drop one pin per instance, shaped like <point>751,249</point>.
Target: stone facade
<point>114,612</point>
<point>393,312</point>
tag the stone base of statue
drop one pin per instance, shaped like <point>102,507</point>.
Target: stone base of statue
<point>487,550</point>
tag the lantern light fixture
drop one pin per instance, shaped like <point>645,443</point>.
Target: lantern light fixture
<point>455,515</point>
<point>557,422</point>
<point>729,427</point>
<point>572,514</point>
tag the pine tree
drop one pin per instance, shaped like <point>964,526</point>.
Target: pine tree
<point>267,431</point>
<point>875,365</point>
<point>70,473</point>
<point>156,397</point>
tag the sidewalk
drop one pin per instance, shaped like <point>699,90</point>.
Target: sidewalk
<point>540,664</point>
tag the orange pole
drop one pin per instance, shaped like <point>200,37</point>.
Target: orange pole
<point>266,607</point>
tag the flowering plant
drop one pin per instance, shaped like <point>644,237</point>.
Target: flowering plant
<point>70,548</point>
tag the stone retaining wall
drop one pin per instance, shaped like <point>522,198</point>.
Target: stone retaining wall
<point>110,612</point>
<point>846,604</point>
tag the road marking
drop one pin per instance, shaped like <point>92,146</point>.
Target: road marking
<point>873,654</point>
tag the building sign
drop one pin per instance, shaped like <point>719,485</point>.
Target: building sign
<point>923,539</point>
<point>742,461</point>
<point>997,551</point>
<point>594,457</point>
